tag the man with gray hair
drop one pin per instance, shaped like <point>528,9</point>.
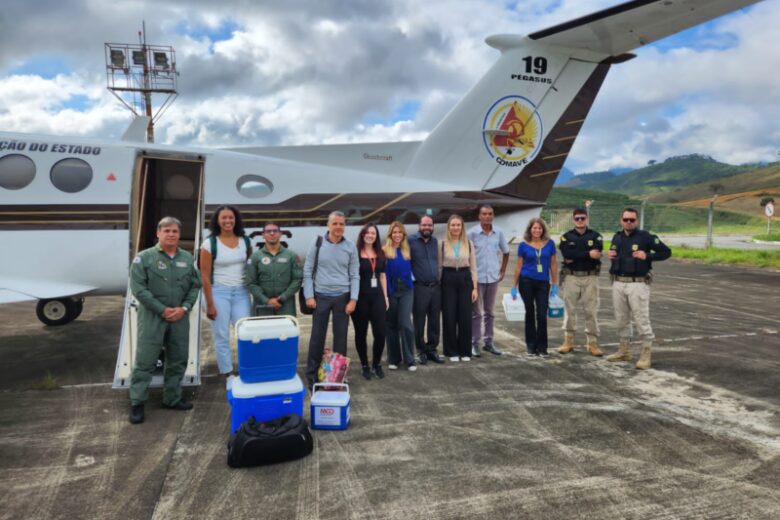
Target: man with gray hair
<point>331,282</point>
<point>165,282</point>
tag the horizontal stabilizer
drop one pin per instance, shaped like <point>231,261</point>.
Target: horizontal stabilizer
<point>27,289</point>
<point>136,132</point>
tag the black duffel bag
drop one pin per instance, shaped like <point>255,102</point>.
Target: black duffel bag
<point>280,440</point>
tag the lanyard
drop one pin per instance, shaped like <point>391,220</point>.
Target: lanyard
<point>456,250</point>
<point>372,261</point>
<point>538,253</point>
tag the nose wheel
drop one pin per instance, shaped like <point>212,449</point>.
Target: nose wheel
<point>59,311</point>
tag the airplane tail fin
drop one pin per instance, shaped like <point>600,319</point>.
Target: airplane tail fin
<point>512,132</point>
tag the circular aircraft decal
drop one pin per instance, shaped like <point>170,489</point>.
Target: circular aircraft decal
<point>512,131</point>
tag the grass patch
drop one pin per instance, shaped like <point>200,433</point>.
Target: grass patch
<point>772,237</point>
<point>49,382</point>
<point>716,255</point>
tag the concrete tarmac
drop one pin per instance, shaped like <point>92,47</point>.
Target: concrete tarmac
<point>697,436</point>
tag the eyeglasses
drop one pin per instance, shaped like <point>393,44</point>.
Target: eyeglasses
<point>629,220</point>
<point>271,231</point>
<point>580,218</point>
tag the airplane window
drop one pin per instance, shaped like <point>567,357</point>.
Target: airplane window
<point>254,186</point>
<point>71,175</point>
<point>16,171</point>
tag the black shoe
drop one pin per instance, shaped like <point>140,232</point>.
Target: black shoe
<point>433,356</point>
<point>182,405</point>
<point>378,372</point>
<point>137,414</point>
<point>474,350</point>
<point>422,358</point>
<point>366,372</point>
<point>489,347</point>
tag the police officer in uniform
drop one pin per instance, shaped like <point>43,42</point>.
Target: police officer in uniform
<point>275,275</point>
<point>164,281</point>
<point>581,249</point>
<point>632,254</point>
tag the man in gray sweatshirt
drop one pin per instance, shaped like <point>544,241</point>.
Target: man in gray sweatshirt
<point>333,288</point>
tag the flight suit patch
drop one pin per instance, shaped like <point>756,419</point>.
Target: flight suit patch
<point>137,260</point>
<point>161,265</point>
<point>265,260</point>
<point>282,260</point>
<point>181,264</point>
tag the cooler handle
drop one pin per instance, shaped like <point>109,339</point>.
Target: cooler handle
<point>253,318</point>
<point>322,385</point>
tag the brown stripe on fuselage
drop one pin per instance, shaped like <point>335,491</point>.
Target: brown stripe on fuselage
<point>18,217</point>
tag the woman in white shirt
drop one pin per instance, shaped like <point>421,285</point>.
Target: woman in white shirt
<point>223,258</point>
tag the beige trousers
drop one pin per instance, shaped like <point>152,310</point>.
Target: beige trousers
<point>632,301</point>
<point>585,290</point>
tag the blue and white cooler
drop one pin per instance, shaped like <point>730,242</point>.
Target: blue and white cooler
<point>330,408</point>
<point>264,401</point>
<point>267,348</point>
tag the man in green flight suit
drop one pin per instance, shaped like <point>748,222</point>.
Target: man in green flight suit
<point>274,275</point>
<point>164,280</point>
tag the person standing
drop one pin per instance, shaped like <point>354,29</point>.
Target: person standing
<point>632,254</point>
<point>165,282</point>
<point>400,331</point>
<point>372,301</point>
<point>458,273</point>
<point>426,309</point>
<point>275,275</point>
<point>536,267</point>
<point>488,241</point>
<point>581,248</point>
<point>332,290</point>
<point>223,256</point>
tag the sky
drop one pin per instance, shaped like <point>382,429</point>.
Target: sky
<point>302,72</point>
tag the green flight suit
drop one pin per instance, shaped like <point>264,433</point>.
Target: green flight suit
<point>270,275</point>
<point>158,281</point>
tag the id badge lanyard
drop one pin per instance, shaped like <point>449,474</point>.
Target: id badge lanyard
<point>372,261</point>
<point>538,252</point>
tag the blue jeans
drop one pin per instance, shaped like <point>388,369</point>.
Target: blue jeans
<point>232,304</point>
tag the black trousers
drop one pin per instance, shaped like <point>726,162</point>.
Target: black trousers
<point>456,287</point>
<point>370,309</point>
<point>535,295</point>
<point>426,308</point>
<point>319,330</point>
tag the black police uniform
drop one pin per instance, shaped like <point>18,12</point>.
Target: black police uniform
<point>625,266</point>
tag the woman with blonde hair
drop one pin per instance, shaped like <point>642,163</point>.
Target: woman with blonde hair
<point>398,271</point>
<point>458,275</point>
<point>536,267</point>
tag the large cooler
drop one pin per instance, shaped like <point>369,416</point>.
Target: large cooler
<point>264,401</point>
<point>329,409</point>
<point>267,348</point>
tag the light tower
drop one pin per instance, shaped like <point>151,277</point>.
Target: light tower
<point>135,72</point>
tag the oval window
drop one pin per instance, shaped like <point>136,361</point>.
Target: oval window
<point>16,171</point>
<point>254,186</point>
<point>71,175</point>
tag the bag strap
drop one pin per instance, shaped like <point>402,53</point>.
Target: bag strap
<point>248,244</point>
<point>213,245</point>
<point>316,261</point>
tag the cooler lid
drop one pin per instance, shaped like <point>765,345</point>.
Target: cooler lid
<point>242,390</point>
<point>326,398</point>
<point>281,327</point>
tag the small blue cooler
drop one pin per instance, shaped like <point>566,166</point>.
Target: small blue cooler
<point>267,348</point>
<point>264,401</point>
<point>330,409</point>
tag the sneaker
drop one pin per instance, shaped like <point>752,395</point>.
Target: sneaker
<point>366,372</point>
<point>229,380</point>
<point>544,355</point>
<point>378,372</point>
<point>530,355</point>
<point>136,414</point>
<point>454,359</point>
<point>181,405</point>
<point>392,367</point>
<point>412,368</point>
<point>474,350</point>
<point>489,347</point>
<point>433,356</point>
<point>465,358</point>
<point>422,358</point>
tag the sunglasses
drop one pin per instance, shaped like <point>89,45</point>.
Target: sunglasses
<point>270,231</point>
<point>629,220</point>
<point>580,218</point>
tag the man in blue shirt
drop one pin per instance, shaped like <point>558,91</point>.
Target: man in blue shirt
<point>488,241</point>
<point>427,293</point>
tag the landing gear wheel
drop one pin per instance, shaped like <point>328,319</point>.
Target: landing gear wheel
<point>79,307</point>
<point>57,312</point>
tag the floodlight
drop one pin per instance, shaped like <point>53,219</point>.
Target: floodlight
<point>139,58</point>
<point>161,60</point>
<point>118,58</point>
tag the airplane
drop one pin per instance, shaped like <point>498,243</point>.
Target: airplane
<point>75,211</point>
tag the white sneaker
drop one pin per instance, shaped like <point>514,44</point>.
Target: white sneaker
<point>465,358</point>
<point>392,367</point>
<point>454,359</point>
<point>413,368</point>
<point>229,382</point>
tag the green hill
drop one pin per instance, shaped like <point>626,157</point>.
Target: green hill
<point>673,173</point>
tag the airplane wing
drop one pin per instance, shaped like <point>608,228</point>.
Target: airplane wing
<point>26,289</point>
<point>627,26</point>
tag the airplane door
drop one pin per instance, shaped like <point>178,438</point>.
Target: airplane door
<point>162,186</point>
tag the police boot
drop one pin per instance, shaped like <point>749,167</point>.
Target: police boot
<point>568,344</point>
<point>644,357</point>
<point>623,353</point>
<point>593,348</point>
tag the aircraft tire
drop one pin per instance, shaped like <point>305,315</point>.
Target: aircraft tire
<point>56,312</point>
<point>79,307</point>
